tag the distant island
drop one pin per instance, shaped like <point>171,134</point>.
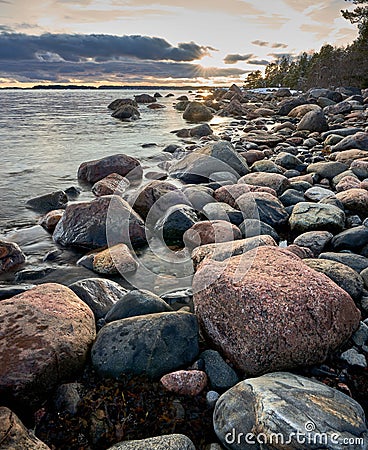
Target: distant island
<point>109,87</point>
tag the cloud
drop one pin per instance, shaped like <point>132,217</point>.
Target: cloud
<point>279,45</point>
<point>261,43</point>
<point>234,58</point>
<point>102,47</point>
<point>259,62</point>
<point>121,72</point>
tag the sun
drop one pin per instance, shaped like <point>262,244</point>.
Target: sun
<point>213,60</point>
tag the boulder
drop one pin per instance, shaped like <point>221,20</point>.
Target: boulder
<point>224,250</point>
<point>356,262</point>
<point>126,112</point>
<point>230,193</point>
<point>201,130</point>
<point>11,256</point>
<point>119,102</point>
<point>153,344</point>
<point>114,261</point>
<point>99,294</point>
<point>124,165</point>
<point>222,211</point>
<point>316,241</point>
<point>211,231</point>
<point>355,200</point>
<point>198,166</point>
<point>14,435</point>
<point>185,382</point>
<point>112,184</point>
<point>136,303</point>
<point>317,193</point>
<point>308,216</point>
<point>301,110</point>
<point>198,196</point>
<point>176,221</point>
<point>262,137</point>
<point>245,304</point>
<point>46,335</point>
<point>275,181</point>
<point>357,141</point>
<point>286,106</point>
<point>51,219</point>
<point>283,410</point>
<point>255,227</point>
<point>264,207</point>
<point>327,169</point>
<point>351,239</point>
<point>107,220</point>
<point>169,442</point>
<point>197,112</point>
<point>345,277</point>
<point>220,375</point>
<point>313,121</point>
<point>155,198</point>
<point>48,202</point>
<point>339,108</point>
<point>145,98</point>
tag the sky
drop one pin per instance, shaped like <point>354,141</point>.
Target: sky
<point>161,42</point>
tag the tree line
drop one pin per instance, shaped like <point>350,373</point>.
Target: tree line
<point>329,67</point>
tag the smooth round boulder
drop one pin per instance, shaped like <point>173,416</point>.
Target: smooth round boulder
<point>46,335</point>
<point>283,410</point>
<point>328,169</point>
<point>153,345</point>
<point>115,260</point>
<point>316,241</point>
<point>137,303</point>
<point>126,112</point>
<point>313,121</point>
<point>275,181</point>
<point>245,304</point>
<point>112,184</point>
<point>197,112</point>
<point>355,200</point>
<point>211,231</point>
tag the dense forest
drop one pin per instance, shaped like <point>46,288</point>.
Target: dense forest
<point>331,66</point>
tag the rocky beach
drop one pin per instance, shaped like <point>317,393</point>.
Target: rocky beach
<point>215,298</point>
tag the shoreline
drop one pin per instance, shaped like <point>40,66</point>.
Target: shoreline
<point>263,318</point>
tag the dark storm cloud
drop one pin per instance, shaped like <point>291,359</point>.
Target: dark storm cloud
<point>115,71</point>
<point>234,58</point>
<point>102,47</point>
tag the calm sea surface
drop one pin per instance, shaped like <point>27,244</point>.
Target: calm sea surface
<point>45,135</point>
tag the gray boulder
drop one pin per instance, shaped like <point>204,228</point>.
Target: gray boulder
<point>154,344</point>
<point>197,112</point>
<point>168,442</point>
<point>48,202</point>
<point>286,408</point>
<point>308,216</point>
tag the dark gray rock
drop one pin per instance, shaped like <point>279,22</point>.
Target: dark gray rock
<point>264,207</point>
<point>197,112</point>
<point>327,169</point>
<point>316,241</point>
<point>221,376</point>
<point>356,262</point>
<point>314,121</point>
<point>126,112</point>
<point>124,165</point>
<point>107,220</point>
<point>99,294</point>
<point>198,166</point>
<point>154,345</point>
<point>356,141</point>
<point>223,211</point>
<point>48,202</point>
<point>136,303</point>
<point>176,221</point>
<point>352,239</point>
<point>145,98</point>
<point>254,227</point>
<point>291,197</point>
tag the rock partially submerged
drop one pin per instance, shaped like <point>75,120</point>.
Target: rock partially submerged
<point>11,256</point>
